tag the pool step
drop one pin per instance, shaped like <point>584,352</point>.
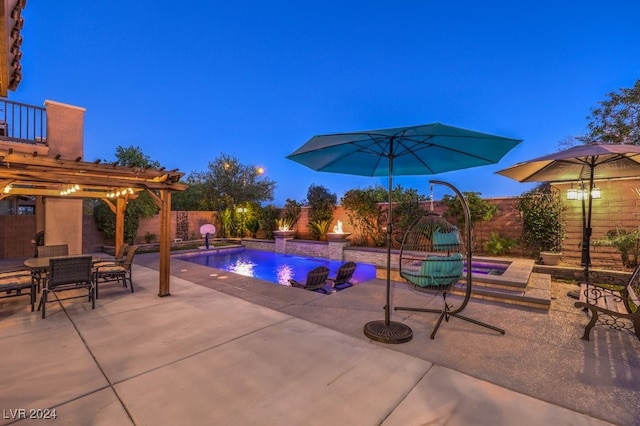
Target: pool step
<point>536,294</point>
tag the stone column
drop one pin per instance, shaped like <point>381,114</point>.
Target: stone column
<point>336,249</point>
<point>281,240</point>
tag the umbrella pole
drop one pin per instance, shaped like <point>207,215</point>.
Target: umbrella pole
<point>387,307</point>
<point>388,331</point>
<point>586,243</point>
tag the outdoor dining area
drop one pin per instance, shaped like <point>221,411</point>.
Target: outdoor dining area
<point>53,270</point>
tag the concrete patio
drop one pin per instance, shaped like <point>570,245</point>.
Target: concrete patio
<point>225,349</point>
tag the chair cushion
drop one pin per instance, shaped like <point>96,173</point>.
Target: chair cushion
<point>14,283</point>
<point>110,269</point>
<point>438,271</point>
<point>446,240</point>
<point>15,274</point>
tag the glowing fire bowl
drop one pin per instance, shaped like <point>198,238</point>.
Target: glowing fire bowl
<point>334,236</point>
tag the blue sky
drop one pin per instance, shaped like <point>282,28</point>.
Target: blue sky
<point>188,81</point>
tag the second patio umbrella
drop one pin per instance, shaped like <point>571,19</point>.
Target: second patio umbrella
<point>414,150</point>
<point>580,163</point>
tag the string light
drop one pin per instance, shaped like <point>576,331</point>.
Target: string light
<point>120,192</point>
<point>70,189</point>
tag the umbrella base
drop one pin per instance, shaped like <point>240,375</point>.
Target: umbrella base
<point>393,332</point>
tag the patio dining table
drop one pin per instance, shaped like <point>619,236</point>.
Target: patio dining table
<point>40,265</point>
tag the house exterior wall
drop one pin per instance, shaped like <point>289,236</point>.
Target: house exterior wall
<point>63,217</point>
<point>16,233</point>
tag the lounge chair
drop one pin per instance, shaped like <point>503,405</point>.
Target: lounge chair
<point>118,272</point>
<point>316,280</point>
<point>68,273</point>
<point>343,276</point>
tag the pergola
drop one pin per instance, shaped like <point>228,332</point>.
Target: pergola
<point>37,175</point>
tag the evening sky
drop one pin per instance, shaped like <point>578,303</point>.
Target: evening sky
<point>187,81</point>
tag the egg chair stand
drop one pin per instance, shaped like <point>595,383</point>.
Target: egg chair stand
<point>431,261</point>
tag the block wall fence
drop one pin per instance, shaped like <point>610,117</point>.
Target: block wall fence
<point>618,207</point>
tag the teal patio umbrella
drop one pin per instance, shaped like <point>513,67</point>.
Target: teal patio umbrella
<point>415,150</point>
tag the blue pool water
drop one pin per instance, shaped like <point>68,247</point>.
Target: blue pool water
<point>274,267</point>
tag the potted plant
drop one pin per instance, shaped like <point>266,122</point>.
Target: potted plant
<point>551,258</point>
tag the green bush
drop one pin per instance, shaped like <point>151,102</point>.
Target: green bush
<point>499,245</point>
<point>543,223</point>
<point>320,228</point>
<point>626,241</point>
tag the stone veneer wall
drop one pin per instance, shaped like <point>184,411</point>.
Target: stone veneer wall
<point>329,250</point>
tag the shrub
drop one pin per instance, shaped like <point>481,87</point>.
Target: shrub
<point>499,245</point>
<point>543,224</point>
<point>320,228</point>
<point>322,204</point>
<point>626,241</point>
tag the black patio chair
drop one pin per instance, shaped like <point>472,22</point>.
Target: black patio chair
<point>52,251</point>
<point>118,258</point>
<point>68,274</point>
<point>13,284</point>
<point>116,272</point>
<point>316,280</point>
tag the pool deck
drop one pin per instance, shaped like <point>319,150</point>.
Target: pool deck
<point>227,349</point>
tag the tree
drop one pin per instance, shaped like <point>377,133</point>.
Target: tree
<point>227,183</point>
<point>481,210</point>
<point>406,210</point>
<point>142,206</point>
<point>366,215</point>
<point>267,218</point>
<point>292,210</point>
<point>542,215</point>
<point>193,198</point>
<point>366,209</point>
<point>321,204</point>
<point>616,119</point>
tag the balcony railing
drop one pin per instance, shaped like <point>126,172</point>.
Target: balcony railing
<point>22,123</point>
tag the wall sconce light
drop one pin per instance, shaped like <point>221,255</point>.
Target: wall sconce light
<point>595,193</point>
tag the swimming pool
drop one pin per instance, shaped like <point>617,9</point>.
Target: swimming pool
<point>275,267</point>
<point>279,268</point>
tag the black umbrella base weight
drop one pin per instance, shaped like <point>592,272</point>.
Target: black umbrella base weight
<point>391,332</point>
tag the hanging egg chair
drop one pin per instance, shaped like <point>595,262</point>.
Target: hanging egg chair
<point>432,259</point>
